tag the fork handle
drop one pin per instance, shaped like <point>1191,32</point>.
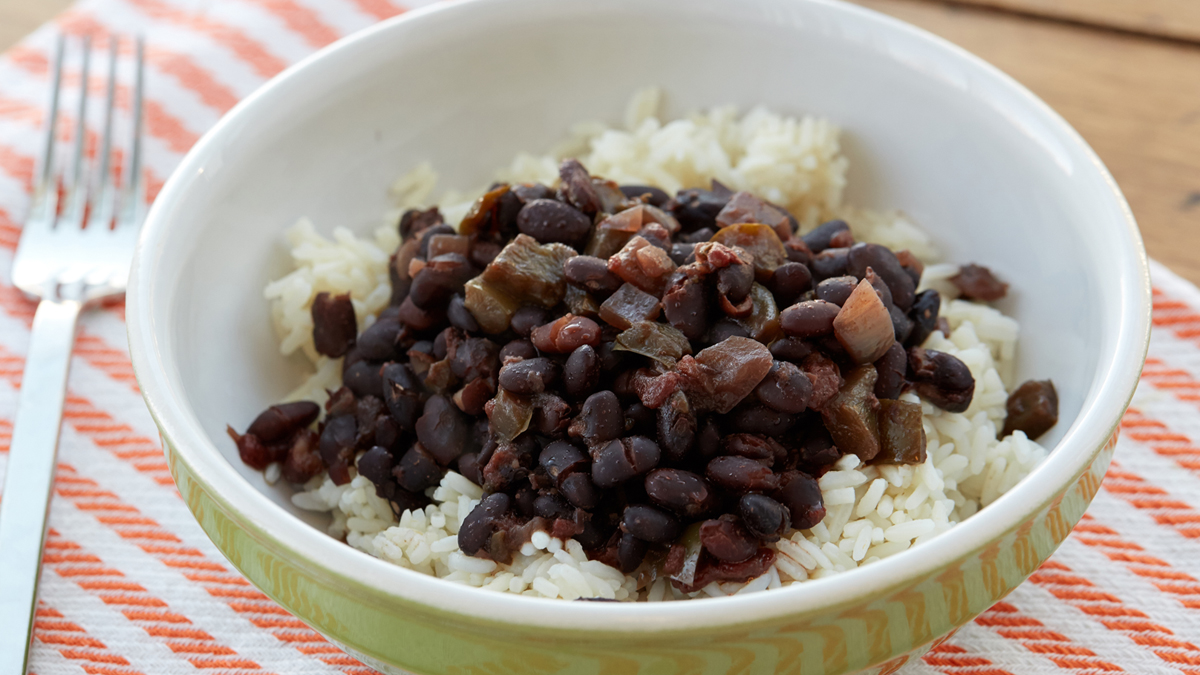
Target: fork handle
<point>29,476</point>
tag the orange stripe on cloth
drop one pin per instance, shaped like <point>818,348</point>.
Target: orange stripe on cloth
<point>380,9</point>
<point>134,595</point>
<point>191,76</point>
<point>17,165</point>
<point>1175,315</point>
<point>954,659</point>
<point>1064,584</point>
<point>238,596</point>
<point>248,50</point>
<point>1038,639</point>
<point>301,20</point>
<point>11,109</point>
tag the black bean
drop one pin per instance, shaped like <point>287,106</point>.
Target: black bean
<point>474,359</point>
<point>417,469</point>
<point>341,402</point>
<point>640,420</point>
<point>764,517</point>
<point>686,307</point>
<point>415,220</point>
<point>387,431</point>
<point>581,374</point>
<point>402,394</point>
<point>480,523</point>
<point>560,459</point>
<point>439,279</point>
<point>334,325</point>
<point>790,281</point>
<point>696,208</point>
<point>280,421</point>
<point>378,343</point>
<point>528,192</point>
<point>523,501</point>
<point>551,415</point>
<point>726,540</point>
<point>976,282</point>
<point>676,426</point>
<point>483,253</point>
<point>656,196</point>
<point>785,388</point>
<point>682,253</point>
<point>708,440</point>
<point>697,236</point>
<point>817,448</point>
<point>881,259</point>
<point>829,263</point>
<point>924,315</point>
<point>809,319</point>
<point>337,439</point>
<point>610,358</point>
<point>819,239</point>
<point>507,209</point>
<point>363,378</point>
<point>525,319</point>
<point>399,280</point>
<point>837,289</point>
<point>579,489</point>
<point>575,187</point>
<point>591,274</point>
<point>901,324</point>
<point>460,316</point>
<point>761,449</point>
<point>622,459</point>
<point>440,348</point>
<point>600,419</point>
<point>726,328</point>
<point>683,492</point>
<point>1032,408</point>
<point>443,429</point>
<point>741,474</point>
<point>530,376</point>
<point>735,281</point>
<point>892,368</point>
<point>759,419</point>
<point>253,452</point>
<point>630,552</point>
<point>801,495</point>
<point>941,378</point>
<point>468,466</point>
<point>518,349</point>
<point>790,349</point>
<point>649,524</point>
<point>376,466</point>
<point>303,458</point>
<point>419,319</point>
<point>551,507</point>
<point>367,409</point>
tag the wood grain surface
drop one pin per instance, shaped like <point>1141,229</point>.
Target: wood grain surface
<point>1134,97</point>
<point>1178,19</point>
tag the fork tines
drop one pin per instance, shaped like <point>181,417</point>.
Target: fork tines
<point>91,196</point>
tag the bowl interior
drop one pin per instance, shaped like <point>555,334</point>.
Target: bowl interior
<point>983,166</point>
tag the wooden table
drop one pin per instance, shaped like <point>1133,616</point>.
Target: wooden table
<point>1126,73</point>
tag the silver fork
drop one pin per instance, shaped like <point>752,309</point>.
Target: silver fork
<point>68,259</point>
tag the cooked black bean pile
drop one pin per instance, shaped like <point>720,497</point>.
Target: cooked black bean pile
<point>660,378</point>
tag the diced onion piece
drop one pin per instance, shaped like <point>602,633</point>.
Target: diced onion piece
<point>863,326</point>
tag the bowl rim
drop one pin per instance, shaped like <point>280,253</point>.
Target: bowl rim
<point>372,580</point>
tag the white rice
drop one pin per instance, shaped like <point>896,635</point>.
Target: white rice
<point>872,511</point>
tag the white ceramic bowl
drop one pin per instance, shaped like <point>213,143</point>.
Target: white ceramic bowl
<point>994,174</point>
